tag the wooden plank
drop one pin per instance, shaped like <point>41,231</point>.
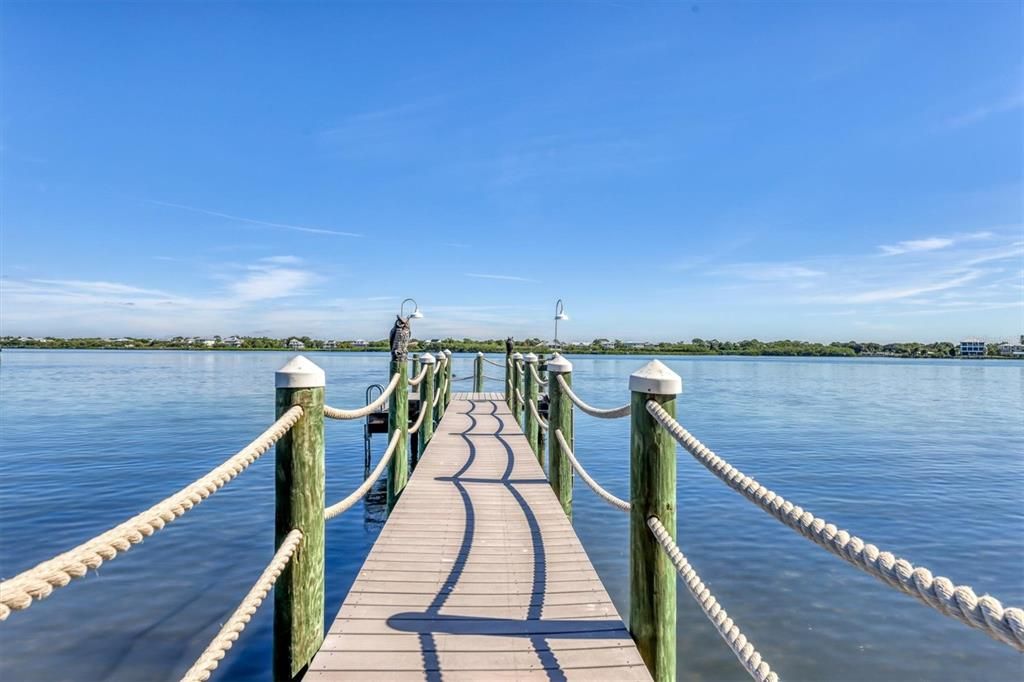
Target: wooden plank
<point>478,574</point>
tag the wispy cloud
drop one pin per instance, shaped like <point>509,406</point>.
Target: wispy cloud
<point>979,114</point>
<point>766,272</point>
<point>896,293</point>
<point>912,245</point>
<point>931,243</point>
<point>254,221</point>
<point>512,278</point>
<point>269,280</point>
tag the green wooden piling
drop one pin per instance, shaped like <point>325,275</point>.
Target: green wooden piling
<point>652,488</point>
<point>426,399</point>
<point>517,380</point>
<point>530,424</point>
<point>448,380</point>
<point>560,418</point>
<point>398,420</point>
<point>415,365</point>
<point>478,374</point>
<point>508,374</point>
<point>299,503</point>
<point>438,385</point>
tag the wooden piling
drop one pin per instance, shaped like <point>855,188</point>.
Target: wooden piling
<point>299,504</point>
<point>508,373</point>
<point>398,420</point>
<point>560,418</point>
<point>517,382</point>
<point>530,424</point>
<point>415,365</point>
<point>478,374</point>
<point>426,431</point>
<point>448,379</point>
<point>652,487</point>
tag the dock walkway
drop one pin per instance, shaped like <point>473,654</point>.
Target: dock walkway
<point>478,573</point>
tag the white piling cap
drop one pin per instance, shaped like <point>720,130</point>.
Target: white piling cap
<point>427,359</point>
<point>299,372</point>
<point>479,353</point>
<point>655,378</point>
<point>530,357</point>
<point>517,356</point>
<point>447,352</point>
<point>559,365</point>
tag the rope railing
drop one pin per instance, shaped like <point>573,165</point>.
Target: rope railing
<point>419,420</point>
<point>493,362</point>
<point>959,602</point>
<point>536,375</point>
<point>19,592</point>
<point>619,504</point>
<point>229,633</point>
<point>437,366</point>
<point>438,393</point>
<point>465,378</point>
<point>609,413</point>
<point>744,649</point>
<point>419,377</point>
<point>492,378</point>
<point>536,415</point>
<point>357,494</point>
<point>519,395</point>
<point>337,413</point>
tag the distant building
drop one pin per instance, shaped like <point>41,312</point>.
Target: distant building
<point>330,344</point>
<point>637,346</point>
<point>209,343</point>
<point>233,341</point>
<point>360,343</point>
<point>295,344</point>
<point>972,348</point>
<point>1012,349</point>
<point>608,345</point>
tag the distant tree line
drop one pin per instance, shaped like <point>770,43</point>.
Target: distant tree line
<point>697,346</point>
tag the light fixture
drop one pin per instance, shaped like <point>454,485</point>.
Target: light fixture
<point>559,315</point>
<point>415,314</point>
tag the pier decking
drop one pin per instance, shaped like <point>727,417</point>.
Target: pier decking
<point>478,573</point>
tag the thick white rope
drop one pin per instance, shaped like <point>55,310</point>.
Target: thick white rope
<point>228,635</point>
<point>610,413</point>
<point>536,375</point>
<point>496,364</point>
<point>38,583</point>
<point>985,613</point>
<point>337,413</point>
<point>519,396</point>
<point>727,629</point>
<point>419,377</point>
<point>536,415</point>
<point>439,392</point>
<point>594,485</point>
<point>419,420</point>
<point>437,366</point>
<point>358,493</point>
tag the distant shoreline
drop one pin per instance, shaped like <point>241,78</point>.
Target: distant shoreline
<point>524,349</point>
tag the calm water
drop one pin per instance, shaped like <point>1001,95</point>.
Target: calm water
<point>925,458</point>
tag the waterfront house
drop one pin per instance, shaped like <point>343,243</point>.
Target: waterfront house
<point>295,344</point>
<point>360,343</point>
<point>972,348</point>
<point>330,344</point>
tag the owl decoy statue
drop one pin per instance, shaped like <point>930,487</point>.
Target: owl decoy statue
<point>399,338</point>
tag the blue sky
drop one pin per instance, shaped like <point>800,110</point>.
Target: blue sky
<point>772,170</point>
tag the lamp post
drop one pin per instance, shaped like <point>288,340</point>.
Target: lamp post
<point>415,314</point>
<point>559,315</point>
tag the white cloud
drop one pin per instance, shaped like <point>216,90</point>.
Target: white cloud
<point>511,278</point>
<point>771,271</point>
<point>254,221</point>
<point>979,114</point>
<point>913,245</point>
<point>896,293</point>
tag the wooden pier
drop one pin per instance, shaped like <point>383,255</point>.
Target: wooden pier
<point>478,573</point>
